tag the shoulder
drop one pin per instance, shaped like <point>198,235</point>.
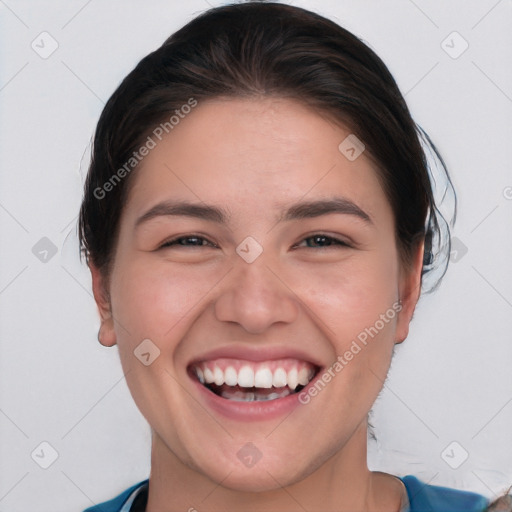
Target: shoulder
<point>432,498</point>
<point>122,502</point>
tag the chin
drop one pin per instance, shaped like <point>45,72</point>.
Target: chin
<point>259,480</point>
<point>268,475</point>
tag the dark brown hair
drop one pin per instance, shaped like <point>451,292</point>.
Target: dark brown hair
<point>259,49</point>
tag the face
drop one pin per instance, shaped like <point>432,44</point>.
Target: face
<point>261,264</point>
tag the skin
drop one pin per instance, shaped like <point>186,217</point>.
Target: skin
<point>254,157</point>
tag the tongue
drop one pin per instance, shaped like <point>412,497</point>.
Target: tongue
<point>245,395</point>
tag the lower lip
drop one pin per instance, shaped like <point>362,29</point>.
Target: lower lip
<point>253,410</point>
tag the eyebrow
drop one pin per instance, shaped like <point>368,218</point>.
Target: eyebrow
<point>321,207</point>
<point>302,210</point>
<point>187,209</point>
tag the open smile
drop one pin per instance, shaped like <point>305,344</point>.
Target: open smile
<point>249,381</point>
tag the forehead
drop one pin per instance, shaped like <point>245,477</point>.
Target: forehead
<point>254,154</point>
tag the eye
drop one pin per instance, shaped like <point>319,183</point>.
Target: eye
<point>187,241</point>
<point>320,241</point>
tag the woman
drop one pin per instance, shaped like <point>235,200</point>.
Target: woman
<point>259,221</point>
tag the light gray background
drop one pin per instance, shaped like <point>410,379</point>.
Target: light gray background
<point>450,381</point>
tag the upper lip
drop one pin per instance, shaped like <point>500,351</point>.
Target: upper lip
<point>256,353</point>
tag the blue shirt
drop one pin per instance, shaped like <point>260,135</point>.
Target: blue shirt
<point>422,498</point>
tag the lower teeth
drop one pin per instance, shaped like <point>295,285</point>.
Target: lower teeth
<point>263,395</point>
<point>249,396</point>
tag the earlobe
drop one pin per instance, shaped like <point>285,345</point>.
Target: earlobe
<point>106,333</point>
<point>410,289</point>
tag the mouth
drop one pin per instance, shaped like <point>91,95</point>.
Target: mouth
<point>249,381</point>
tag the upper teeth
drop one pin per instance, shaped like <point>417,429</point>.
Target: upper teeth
<point>260,375</point>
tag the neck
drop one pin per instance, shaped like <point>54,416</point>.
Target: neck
<point>343,483</point>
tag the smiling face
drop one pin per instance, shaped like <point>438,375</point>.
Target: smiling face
<point>253,253</point>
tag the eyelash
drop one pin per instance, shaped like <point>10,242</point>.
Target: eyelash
<point>175,241</point>
<point>332,241</point>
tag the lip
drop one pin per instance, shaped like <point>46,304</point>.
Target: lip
<point>254,410</point>
<point>251,411</point>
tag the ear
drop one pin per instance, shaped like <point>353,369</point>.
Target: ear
<point>106,334</point>
<point>409,289</point>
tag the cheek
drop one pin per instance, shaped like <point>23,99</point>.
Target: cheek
<point>352,295</point>
<point>153,299</point>
<point>356,302</point>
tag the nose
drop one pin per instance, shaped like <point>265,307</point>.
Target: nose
<point>256,297</point>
